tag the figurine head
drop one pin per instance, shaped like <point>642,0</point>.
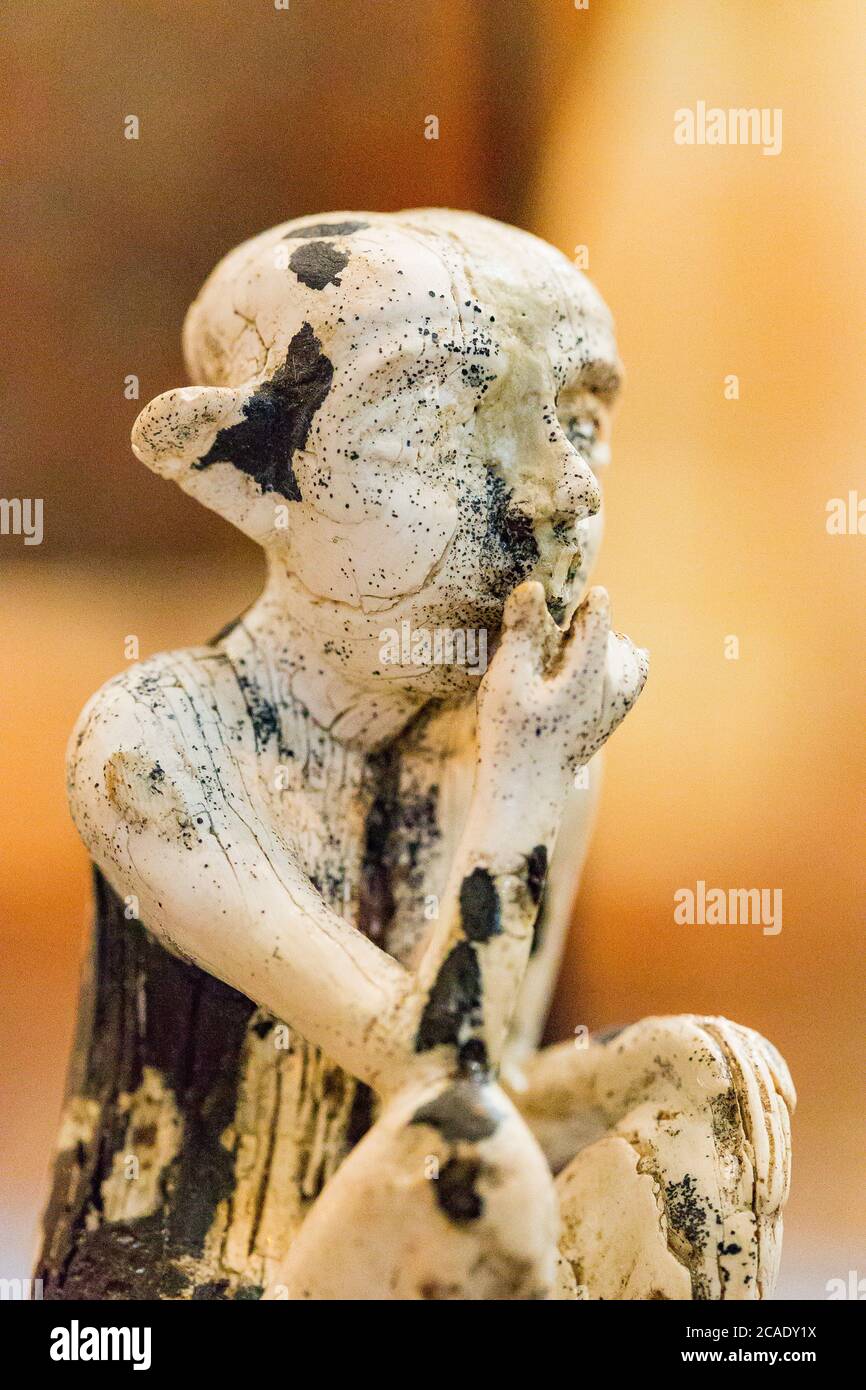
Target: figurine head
<point>409,412</point>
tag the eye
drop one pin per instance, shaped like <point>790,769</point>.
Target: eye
<point>581,431</point>
<point>584,424</point>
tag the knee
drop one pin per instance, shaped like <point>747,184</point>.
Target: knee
<point>694,1061</point>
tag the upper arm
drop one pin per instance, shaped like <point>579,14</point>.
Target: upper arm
<point>164,795</point>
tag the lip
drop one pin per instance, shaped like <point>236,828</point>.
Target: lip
<point>567,563</point>
<point>560,592</point>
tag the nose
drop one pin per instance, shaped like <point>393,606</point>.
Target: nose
<point>576,493</point>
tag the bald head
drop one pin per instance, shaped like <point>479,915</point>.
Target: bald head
<point>419,396</point>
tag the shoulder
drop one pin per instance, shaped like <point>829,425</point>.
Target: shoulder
<point>143,744</point>
<point>144,703</point>
<point>195,724</point>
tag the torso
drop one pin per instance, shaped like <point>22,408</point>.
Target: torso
<point>376,832</point>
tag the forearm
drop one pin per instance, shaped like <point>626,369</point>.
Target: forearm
<point>546,705</point>
<point>474,963</point>
<point>552,926</point>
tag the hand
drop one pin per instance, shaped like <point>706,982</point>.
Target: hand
<point>549,699</point>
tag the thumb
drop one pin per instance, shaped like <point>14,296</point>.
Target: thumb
<point>625,676</point>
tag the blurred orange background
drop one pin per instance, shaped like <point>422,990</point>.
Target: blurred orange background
<point>717,261</point>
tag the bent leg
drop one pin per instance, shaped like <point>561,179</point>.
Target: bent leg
<point>672,1145</point>
<point>447,1196</point>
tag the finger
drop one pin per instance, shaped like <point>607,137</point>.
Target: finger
<point>526,623</point>
<point>771,1156</point>
<point>525,607</point>
<point>585,654</point>
<point>626,669</point>
<point>591,623</point>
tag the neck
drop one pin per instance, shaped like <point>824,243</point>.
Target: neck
<point>287,625</point>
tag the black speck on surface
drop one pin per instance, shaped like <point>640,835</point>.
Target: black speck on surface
<point>536,872</point>
<point>320,229</point>
<point>456,1192</point>
<point>509,536</point>
<point>207,1293</point>
<point>479,906</point>
<point>536,882</point>
<point>376,898</point>
<point>461,1112</point>
<point>454,1002</point>
<point>317,264</point>
<point>472,1058</point>
<point>686,1214</point>
<point>277,419</point>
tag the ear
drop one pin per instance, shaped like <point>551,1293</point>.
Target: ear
<point>234,450</point>
<point>191,436</point>
<point>178,428</point>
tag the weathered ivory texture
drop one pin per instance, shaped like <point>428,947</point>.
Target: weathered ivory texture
<point>361,808</point>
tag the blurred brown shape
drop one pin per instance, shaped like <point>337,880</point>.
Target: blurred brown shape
<point>247,116</point>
